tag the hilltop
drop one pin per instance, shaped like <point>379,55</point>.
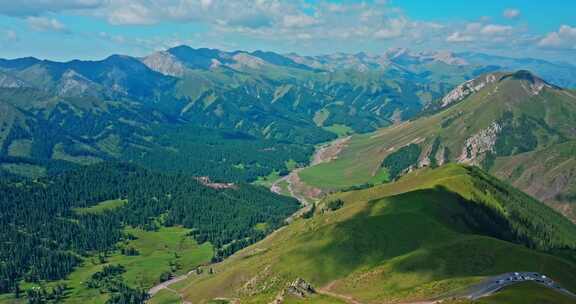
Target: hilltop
<point>430,234</point>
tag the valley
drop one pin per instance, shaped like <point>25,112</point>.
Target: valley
<point>210,176</point>
<point>255,274</point>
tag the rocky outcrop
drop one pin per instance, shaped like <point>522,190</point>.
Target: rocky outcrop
<point>468,88</point>
<point>244,60</point>
<point>298,288</point>
<point>7,81</point>
<point>74,84</point>
<point>165,63</point>
<point>476,146</point>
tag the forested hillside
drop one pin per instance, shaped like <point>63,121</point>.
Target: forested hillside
<point>55,115</point>
<point>44,237</point>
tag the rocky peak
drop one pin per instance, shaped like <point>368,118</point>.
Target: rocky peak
<point>532,84</point>
<point>165,63</point>
<point>73,83</point>
<point>468,88</point>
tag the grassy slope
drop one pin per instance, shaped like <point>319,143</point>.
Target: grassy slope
<point>102,206</point>
<point>156,250</point>
<point>165,297</point>
<point>391,242</point>
<point>358,162</point>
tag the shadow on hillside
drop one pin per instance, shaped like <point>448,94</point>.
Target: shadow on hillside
<point>432,233</point>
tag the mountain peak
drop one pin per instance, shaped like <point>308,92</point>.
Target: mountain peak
<point>527,81</point>
<point>525,75</point>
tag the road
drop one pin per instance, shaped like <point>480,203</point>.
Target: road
<point>319,155</point>
<point>497,283</point>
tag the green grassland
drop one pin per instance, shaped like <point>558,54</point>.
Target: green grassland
<point>156,251</point>
<point>102,207</point>
<point>340,130</point>
<point>165,297</point>
<point>425,236</point>
<point>534,151</point>
<point>268,180</point>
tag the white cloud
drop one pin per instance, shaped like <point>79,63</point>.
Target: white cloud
<point>299,20</point>
<point>495,29</point>
<point>131,13</point>
<point>564,38</point>
<point>511,13</point>
<point>24,8</point>
<point>45,24</point>
<point>459,37</point>
<point>392,29</point>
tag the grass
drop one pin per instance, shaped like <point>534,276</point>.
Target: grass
<point>284,188</point>
<point>102,207</point>
<point>358,163</point>
<point>262,226</point>
<point>403,241</point>
<point>340,130</point>
<point>267,181</point>
<point>165,297</point>
<point>156,251</point>
<point>381,177</point>
<point>315,299</point>
<point>527,293</point>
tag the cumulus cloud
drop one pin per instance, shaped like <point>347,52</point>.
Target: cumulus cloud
<point>283,22</point>
<point>564,38</point>
<point>24,8</point>
<point>392,29</point>
<point>482,34</point>
<point>495,29</point>
<point>300,20</point>
<point>459,37</point>
<point>45,24</point>
<point>241,13</point>
<point>511,13</point>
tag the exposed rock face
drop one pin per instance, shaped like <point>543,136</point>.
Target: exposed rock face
<point>10,82</point>
<point>246,60</point>
<point>440,155</point>
<point>535,87</point>
<point>74,84</point>
<point>299,288</point>
<point>165,63</point>
<point>468,88</point>
<point>476,146</point>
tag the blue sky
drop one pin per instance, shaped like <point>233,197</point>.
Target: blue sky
<point>94,29</point>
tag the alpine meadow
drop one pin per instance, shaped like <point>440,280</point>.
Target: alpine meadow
<point>284,152</point>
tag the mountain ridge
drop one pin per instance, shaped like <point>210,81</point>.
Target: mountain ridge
<point>491,124</point>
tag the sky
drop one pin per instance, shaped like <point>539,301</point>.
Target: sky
<point>94,29</point>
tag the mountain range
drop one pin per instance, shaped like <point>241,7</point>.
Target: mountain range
<point>58,114</point>
<point>419,176</point>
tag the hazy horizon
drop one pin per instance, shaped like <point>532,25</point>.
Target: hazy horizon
<point>95,29</point>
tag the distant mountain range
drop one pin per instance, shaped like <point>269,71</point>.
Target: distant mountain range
<point>86,111</point>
